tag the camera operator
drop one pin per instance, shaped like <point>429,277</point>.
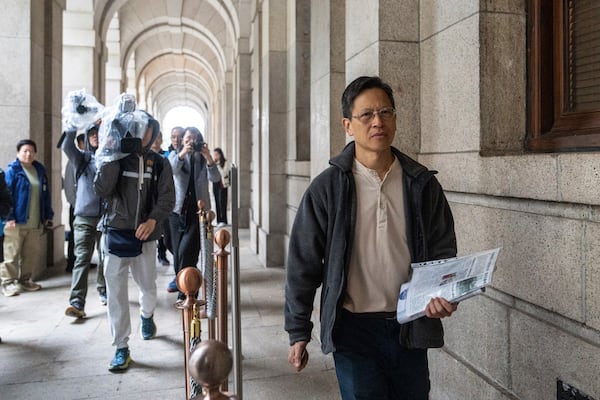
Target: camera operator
<point>193,167</point>
<point>137,185</point>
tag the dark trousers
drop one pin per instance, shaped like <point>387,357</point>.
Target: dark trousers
<point>166,237</point>
<point>71,240</point>
<point>185,240</point>
<point>161,247</point>
<point>220,194</point>
<point>371,364</point>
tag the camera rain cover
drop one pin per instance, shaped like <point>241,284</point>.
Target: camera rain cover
<point>120,121</point>
<point>80,110</point>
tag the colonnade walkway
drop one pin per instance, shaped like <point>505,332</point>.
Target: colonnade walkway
<point>47,355</point>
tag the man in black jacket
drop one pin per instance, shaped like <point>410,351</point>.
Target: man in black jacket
<point>359,226</point>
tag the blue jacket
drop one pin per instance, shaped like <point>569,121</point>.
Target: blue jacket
<point>19,188</point>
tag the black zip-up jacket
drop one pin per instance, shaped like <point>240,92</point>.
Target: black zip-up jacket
<point>321,244</point>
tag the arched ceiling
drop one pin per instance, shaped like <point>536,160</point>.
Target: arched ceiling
<point>182,49</point>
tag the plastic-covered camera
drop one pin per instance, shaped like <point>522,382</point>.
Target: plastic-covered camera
<point>80,110</point>
<point>126,103</point>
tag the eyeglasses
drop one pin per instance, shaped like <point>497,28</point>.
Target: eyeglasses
<point>385,113</point>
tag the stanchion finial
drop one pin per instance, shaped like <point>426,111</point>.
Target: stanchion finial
<point>222,237</point>
<point>210,364</point>
<point>189,281</point>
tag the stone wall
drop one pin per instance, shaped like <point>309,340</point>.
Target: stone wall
<point>538,323</point>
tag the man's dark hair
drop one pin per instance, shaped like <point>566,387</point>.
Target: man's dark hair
<point>24,142</point>
<point>359,85</point>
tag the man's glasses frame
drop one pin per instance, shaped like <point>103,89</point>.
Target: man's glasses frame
<point>385,113</point>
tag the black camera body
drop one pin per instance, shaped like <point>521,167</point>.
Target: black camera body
<point>131,145</point>
<point>197,146</point>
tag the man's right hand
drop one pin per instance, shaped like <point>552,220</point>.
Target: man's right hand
<point>298,356</point>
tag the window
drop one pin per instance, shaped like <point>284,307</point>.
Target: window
<point>564,75</point>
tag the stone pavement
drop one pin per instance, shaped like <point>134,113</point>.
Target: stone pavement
<point>46,355</point>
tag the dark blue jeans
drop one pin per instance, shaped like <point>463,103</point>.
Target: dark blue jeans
<point>371,364</point>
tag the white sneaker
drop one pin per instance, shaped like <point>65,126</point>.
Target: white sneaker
<point>10,289</point>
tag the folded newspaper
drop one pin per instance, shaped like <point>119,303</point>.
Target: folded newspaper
<point>454,279</point>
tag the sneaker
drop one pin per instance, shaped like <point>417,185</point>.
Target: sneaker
<point>75,310</point>
<point>10,289</point>
<point>179,303</point>
<point>163,261</point>
<point>29,286</point>
<point>102,296</point>
<point>148,328</point>
<point>172,288</point>
<point>120,361</point>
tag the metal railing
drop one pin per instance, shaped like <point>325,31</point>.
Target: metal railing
<point>208,363</point>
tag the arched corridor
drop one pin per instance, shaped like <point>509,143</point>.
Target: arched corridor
<point>499,97</point>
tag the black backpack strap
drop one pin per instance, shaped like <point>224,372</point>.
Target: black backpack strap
<point>157,168</point>
<point>87,157</point>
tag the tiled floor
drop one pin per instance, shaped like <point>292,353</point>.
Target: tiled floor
<point>46,355</point>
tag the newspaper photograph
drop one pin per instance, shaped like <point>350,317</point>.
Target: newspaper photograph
<point>454,279</point>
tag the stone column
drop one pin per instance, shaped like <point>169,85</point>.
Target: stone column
<point>30,93</point>
<point>79,53</point>
<point>382,38</point>
<point>242,145</point>
<point>269,147</point>
<point>327,70</point>
<point>110,62</point>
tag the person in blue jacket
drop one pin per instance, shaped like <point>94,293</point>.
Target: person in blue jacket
<point>28,184</point>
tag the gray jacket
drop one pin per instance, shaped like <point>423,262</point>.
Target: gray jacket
<point>86,201</point>
<point>117,182</point>
<point>321,244</point>
<point>181,177</point>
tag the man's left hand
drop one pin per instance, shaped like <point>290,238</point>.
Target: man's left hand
<point>439,307</point>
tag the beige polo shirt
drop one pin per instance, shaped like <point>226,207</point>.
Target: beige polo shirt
<point>380,259</point>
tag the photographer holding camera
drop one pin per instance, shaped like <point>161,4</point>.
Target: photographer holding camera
<point>193,167</point>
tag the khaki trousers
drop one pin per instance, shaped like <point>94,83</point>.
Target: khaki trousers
<point>21,253</point>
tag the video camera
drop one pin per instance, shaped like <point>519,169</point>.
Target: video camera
<point>80,110</point>
<point>126,125</point>
<point>123,129</point>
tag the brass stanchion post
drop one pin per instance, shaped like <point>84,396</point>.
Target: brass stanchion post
<point>189,281</point>
<point>222,239</point>
<point>206,218</point>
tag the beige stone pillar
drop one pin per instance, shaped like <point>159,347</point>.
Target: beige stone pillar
<point>31,79</point>
<point>242,137</point>
<point>327,72</point>
<point>382,38</point>
<point>270,138</point>
<point>109,61</point>
<point>79,41</point>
